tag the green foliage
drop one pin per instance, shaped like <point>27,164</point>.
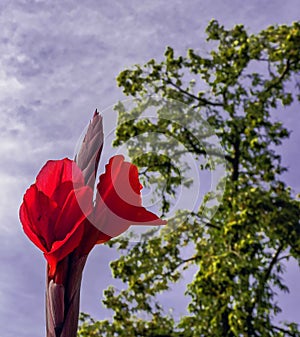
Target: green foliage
<point>240,253</point>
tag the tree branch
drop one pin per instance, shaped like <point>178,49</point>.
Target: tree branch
<point>285,331</point>
<point>272,263</point>
<point>204,101</point>
<point>265,278</point>
<point>281,77</point>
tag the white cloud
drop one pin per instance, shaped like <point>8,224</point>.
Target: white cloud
<point>9,86</point>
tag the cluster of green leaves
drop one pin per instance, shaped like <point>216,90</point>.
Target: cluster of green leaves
<point>240,252</point>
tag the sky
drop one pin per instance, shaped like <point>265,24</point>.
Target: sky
<point>58,62</point>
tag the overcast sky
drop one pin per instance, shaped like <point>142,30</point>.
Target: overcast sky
<point>58,62</point>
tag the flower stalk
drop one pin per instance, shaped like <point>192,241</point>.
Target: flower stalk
<point>63,299</point>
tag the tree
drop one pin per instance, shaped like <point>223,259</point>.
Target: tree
<point>240,252</point>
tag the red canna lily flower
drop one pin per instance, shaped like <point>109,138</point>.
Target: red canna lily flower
<point>57,212</point>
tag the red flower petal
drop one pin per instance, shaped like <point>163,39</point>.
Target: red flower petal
<point>27,228</point>
<point>61,249</point>
<point>56,172</point>
<point>36,214</point>
<point>120,180</point>
<point>119,199</point>
<point>91,237</point>
<point>61,193</point>
<point>76,208</point>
